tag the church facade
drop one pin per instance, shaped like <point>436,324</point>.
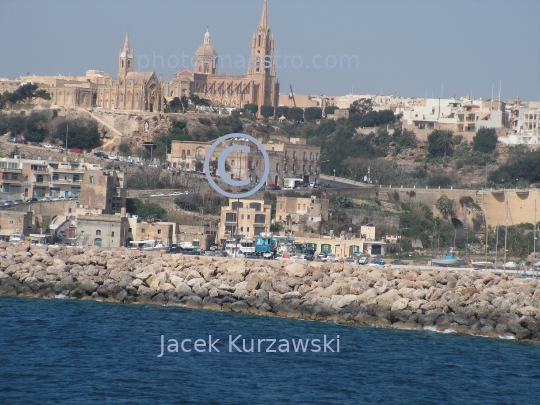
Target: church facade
<point>258,86</point>
<point>144,91</point>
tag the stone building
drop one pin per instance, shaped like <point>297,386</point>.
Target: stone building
<point>244,217</point>
<point>258,86</point>
<point>287,160</point>
<point>103,192</point>
<point>141,230</point>
<point>301,209</point>
<point>107,231</point>
<point>131,91</point>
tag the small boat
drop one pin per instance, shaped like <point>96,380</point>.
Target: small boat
<point>483,265</point>
<point>148,245</point>
<point>511,265</point>
<point>449,260</point>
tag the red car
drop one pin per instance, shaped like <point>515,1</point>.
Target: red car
<point>75,151</point>
<point>211,192</point>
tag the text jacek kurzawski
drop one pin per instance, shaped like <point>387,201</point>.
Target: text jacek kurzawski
<point>239,344</point>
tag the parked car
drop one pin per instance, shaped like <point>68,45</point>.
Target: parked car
<point>350,260</point>
<point>154,166</point>
<point>60,198</point>
<point>362,260</point>
<point>23,141</point>
<point>398,263</point>
<point>157,195</point>
<point>60,148</point>
<point>176,193</point>
<point>113,157</point>
<point>49,146</point>
<point>273,187</point>
<point>100,154</point>
<point>76,151</point>
<point>143,195</point>
<point>378,261</point>
<point>210,192</point>
<point>18,202</point>
<point>31,200</point>
<point>8,202</point>
<point>45,199</point>
<point>12,140</point>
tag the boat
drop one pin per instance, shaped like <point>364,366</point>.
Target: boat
<point>148,245</point>
<point>483,265</point>
<point>232,247</point>
<point>510,265</point>
<point>449,260</point>
<point>247,246</point>
<point>265,244</point>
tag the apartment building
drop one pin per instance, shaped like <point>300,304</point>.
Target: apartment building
<point>36,178</point>
<point>141,230</point>
<point>298,213</point>
<point>244,217</point>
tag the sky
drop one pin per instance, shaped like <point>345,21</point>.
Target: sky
<point>405,47</point>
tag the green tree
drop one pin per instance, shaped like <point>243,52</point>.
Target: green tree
<point>282,111</point>
<point>252,108</point>
<point>441,143</point>
<point>446,206</point>
<point>267,111</point>
<point>80,134</point>
<point>124,149</point>
<point>147,211</point>
<point>312,114</point>
<point>330,109</point>
<point>27,92</point>
<point>485,140</point>
<point>296,114</point>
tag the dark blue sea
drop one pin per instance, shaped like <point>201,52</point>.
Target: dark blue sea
<point>87,352</point>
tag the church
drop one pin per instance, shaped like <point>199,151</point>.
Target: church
<point>144,91</point>
<point>258,86</point>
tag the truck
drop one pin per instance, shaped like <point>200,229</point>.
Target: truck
<point>290,184</point>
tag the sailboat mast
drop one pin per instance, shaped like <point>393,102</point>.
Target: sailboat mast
<point>505,237</point>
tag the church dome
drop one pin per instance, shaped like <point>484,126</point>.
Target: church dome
<point>206,49</point>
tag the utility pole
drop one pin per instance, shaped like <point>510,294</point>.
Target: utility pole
<point>67,132</point>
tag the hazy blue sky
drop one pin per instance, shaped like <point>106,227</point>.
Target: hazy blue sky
<point>403,46</point>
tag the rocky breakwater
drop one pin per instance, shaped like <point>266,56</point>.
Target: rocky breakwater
<point>478,303</point>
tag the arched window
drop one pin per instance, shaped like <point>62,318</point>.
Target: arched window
<point>98,232</point>
<point>97,242</point>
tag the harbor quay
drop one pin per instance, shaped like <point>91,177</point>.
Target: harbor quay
<point>475,302</point>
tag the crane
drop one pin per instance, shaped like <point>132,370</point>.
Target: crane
<point>292,95</point>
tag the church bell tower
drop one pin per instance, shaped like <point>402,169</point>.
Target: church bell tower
<point>125,61</point>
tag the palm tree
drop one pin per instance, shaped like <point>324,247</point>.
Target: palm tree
<point>446,141</point>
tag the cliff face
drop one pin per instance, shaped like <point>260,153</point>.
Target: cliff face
<point>477,303</point>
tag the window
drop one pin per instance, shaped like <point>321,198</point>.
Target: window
<point>112,234</point>
<point>159,231</point>
<point>260,218</point>
<point>92,180</point>
<point>98,232</point>
<point>241,229</point>
<point>249,216</point>
<point>55,177</point>
<point>277,167</point>
<point>242,217</point>
<point>13,176</point>
<point>82,233</point>
<point>97,242</point>
<point>39,178</point>
<point>247,229</point>
<point>11,222</point>
<point>230,217</point>
<point>232,162</point>
<point>143,230</point>
<point>129,230</point>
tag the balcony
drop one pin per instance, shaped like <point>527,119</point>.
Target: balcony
<point>65,181</point>
<point>11,181</point>
<point>6,170</point>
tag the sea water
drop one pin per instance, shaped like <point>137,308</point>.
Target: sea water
<point>84,352</point>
